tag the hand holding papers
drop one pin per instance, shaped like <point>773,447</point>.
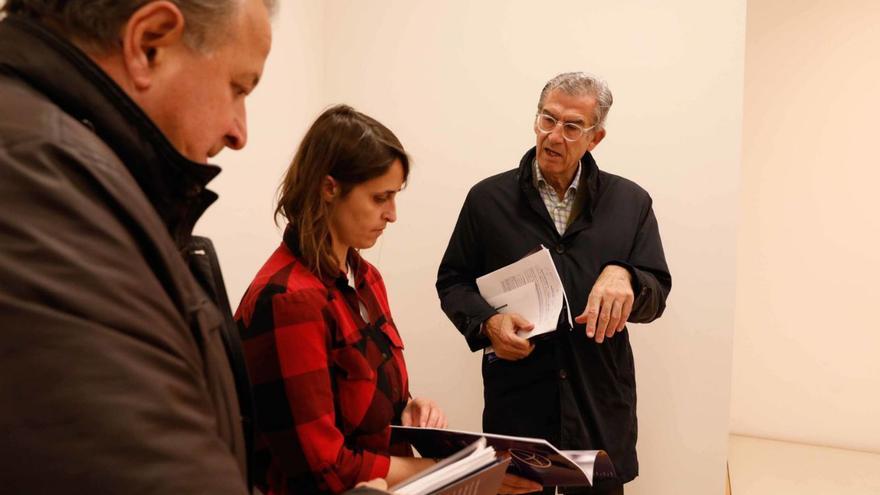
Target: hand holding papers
<point>474,469</point>
<point>530,287</point>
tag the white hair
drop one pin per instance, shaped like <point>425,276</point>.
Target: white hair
<point>580,83</point>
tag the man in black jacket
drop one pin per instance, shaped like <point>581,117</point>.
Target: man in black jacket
<point>120,371</point>
<point>573,387</point>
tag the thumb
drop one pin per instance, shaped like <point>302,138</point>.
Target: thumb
<point>378,484</point>
<point>406,417</point>
<point>521,323</point>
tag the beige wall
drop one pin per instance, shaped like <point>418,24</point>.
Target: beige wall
<point>458,81</point>
<point>805,361</point>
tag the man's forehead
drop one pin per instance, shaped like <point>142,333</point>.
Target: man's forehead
<point>568,106</point>
<point>251,26</point>
<point>249,39</point>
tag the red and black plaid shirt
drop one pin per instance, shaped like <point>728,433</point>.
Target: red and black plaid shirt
<point>327,383</point>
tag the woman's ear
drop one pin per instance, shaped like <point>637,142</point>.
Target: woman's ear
<point>329,189</point>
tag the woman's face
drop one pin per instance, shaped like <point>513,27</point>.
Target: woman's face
<point>359,218</point>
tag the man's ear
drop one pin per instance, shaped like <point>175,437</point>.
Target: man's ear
<point>598,136</point>
<point>329,189</point>
<point>150,34</point>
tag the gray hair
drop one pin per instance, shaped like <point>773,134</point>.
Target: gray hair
<point>580,83</point>
<point>97,22</point>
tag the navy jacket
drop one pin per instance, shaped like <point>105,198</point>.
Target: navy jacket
<point>571,391</point>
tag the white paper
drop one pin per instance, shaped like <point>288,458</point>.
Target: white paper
<point>453,470</point>
<point>591,462</point>
<point>530,287</point>
<point>526,302</point>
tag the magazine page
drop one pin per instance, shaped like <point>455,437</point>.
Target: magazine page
<point>594,463</point>
<point>532,458</point>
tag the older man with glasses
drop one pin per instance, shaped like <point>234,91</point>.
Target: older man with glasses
<point>574,387</point>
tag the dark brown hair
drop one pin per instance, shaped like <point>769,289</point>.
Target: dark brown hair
<point>350,147</point>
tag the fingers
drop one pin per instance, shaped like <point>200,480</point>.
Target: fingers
<point>613,318</point>
<point>517,343</point>
<point>590,314</point>
<point>608,305</point>
<point>424,413</point>
<point>378,484</point>
<point>507,344</point>
<point>514,347</point>
<point>406,418</point>
<point>432,416</point>
<point>511,353</point>
<point>439,418</point>
<point>604,319</point>
<point>419,411</point>
<point>625,312</point>
<point>416,413</point>
<point>614,322</point>
<point>520,323</point>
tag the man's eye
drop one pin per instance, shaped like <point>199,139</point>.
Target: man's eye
<point>239,90</point>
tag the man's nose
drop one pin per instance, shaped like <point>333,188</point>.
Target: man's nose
<point>236,136</point>
<point>556,134</point>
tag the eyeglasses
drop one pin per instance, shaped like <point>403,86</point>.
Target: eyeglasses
<point>570,130</point>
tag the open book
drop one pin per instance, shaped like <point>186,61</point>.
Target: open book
<point>475,470</point>
<point>531,458</point>
<point>530,287</point>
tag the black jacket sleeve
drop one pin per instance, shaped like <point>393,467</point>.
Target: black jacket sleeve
<point>650,274</point>
<point>456,279</point>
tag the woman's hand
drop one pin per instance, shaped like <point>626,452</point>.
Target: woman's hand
<point>376,484</point>
<point>423,413</point>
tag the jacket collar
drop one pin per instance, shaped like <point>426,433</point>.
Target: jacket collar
<point>587,191</point>
<point>72,81</point>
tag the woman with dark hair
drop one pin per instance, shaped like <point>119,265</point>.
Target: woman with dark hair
<point>322,349</point>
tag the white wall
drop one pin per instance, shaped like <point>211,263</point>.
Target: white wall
<point>805,362</point>
<point>458,82</point>
<point>427,68</point>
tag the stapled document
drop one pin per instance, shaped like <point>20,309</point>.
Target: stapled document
<point>530,287</point>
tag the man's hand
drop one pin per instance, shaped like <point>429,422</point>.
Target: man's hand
<point>423,413</point>
<point>609,304</point>
<point>501,330</point>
